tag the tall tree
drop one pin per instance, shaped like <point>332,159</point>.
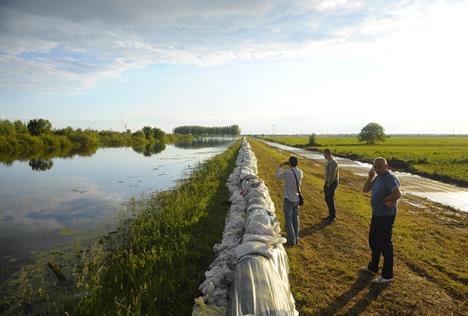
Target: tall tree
<point>39,126</point>
<point>371,133</point>
<point>159,134</point>
<point>312,141</point>
<point>148,131</point>
<point>20,127</point>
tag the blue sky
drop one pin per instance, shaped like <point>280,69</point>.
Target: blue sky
<point>303,66</point>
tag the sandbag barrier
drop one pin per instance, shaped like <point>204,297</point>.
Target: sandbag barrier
<point>249,275</point>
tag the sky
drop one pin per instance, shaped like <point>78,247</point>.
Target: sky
<point>282,67</point>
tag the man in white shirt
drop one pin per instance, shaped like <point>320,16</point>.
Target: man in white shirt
<point>292,178</point>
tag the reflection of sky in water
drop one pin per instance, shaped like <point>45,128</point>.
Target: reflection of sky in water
<point>436,191</point>
<point>83,193</point>
<point>455,199</point>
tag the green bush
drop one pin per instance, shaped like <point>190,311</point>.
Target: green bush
<point>50,141</point>
<point>29,144</point>
<point>7,128</point>
<point>5,145</point>
<point>84,140</point>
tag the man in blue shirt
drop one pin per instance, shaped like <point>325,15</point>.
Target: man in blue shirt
<point>385,189</point>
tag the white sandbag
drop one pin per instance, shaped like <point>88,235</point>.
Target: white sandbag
<point>249,275</point>
<point>253,248</point>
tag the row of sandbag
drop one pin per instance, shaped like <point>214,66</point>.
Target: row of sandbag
<point>250,273</point>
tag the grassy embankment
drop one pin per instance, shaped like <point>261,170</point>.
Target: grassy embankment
<point>440,158</point>
<point>430,242</point>
<point>164,251</point>
<point>155,261</point>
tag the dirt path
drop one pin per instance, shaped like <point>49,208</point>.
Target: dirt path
<point>430,242</point>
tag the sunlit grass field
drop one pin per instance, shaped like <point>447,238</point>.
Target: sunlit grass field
<point>442,158</point>
<point>429,244</point>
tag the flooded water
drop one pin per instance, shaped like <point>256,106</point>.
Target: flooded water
<point>436,191</point>
<point>73,198</point>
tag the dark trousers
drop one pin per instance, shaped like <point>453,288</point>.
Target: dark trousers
<point>380,242</point>
<point>330,198</point>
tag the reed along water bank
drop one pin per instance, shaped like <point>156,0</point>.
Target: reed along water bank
<point>160,255</point>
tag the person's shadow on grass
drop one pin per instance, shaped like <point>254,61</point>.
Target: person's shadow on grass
<point>361,282</point>
<point>313,228</point>
<point>364,302</point>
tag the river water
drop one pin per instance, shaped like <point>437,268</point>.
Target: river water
<point>80,197</point>
<point>436,191</point>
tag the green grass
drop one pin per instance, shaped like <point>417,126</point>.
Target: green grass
<point>158,258</point>
<point>430,242</point>
<point>441,158</point>
<point>67,232</point>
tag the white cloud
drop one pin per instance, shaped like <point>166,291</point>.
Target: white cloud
<point>85,42</point>
<point>335,4</point>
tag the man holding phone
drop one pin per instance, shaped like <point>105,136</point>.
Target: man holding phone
<point>385,192</point>
<point>292,178</point>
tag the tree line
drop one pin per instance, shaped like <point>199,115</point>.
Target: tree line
<point>195,130</point>
<point>38,138</point>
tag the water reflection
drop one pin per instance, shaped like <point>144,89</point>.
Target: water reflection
<point>149,150</point>
<point>206,142</point>
<point>39,159</point>
<point>42,161</point>
<point>83,195</point>
<point>41,164</point>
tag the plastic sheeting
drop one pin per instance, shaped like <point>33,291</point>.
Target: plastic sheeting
<point>258,290</point>
<point>250,273</point>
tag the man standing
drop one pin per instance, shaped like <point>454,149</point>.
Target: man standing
<point>331,182</point>
<point>385,189</point>
<point>292,178</point>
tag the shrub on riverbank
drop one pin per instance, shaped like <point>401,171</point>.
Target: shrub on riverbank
<point>161,254</point>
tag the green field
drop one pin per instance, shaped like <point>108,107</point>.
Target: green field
<point>429,241</point>
<point>441,158</point>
